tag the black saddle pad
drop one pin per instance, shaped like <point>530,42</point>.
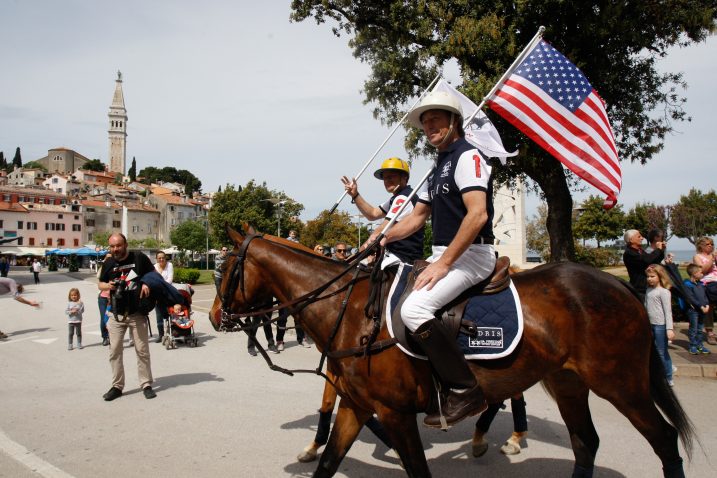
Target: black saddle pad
<point>497,318</point>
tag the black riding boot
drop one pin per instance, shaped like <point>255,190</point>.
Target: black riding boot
<point>465,397</point>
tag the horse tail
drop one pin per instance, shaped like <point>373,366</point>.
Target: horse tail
<point>666,400</point>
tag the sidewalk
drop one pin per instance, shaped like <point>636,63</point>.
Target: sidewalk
<point>691,365</point>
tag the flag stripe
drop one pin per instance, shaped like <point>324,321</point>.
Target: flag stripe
<point>543,103</point>
<point>600,123</point>
<point>580,142</point>
<point>497,106</point>
<point>530,99</point>
<point>550,100</point>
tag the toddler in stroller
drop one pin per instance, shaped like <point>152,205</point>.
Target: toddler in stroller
<point>179,325</point>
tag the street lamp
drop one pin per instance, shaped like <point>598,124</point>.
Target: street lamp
<point>206,224</point>
<point>279,203</point>
<point>358,217</point>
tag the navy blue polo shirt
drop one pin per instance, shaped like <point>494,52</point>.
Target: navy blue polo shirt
<point>409,248</point>
<point>458,169</point>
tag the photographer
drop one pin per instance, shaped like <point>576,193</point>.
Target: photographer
<point>121,275</point>
<point>636,259</point>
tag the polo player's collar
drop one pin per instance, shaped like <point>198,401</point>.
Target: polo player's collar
<point>452,147</point>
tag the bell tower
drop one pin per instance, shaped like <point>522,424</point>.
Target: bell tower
<point>118,129</point>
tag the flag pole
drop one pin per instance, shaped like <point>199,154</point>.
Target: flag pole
<point>528,48</point>
<point>398,124</point>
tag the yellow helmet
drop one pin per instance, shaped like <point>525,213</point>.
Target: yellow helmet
<point>393,164</point>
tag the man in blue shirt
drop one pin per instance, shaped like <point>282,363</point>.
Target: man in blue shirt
<point>458,199</point>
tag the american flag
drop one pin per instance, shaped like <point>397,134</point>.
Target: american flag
<point>550,100</point>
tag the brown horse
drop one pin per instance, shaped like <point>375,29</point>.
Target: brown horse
<point>584,331</point>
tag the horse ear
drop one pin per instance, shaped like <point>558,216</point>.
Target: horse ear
<point>248,229</point>
<point>234,235</point>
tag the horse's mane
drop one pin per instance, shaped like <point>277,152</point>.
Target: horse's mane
<point>298,247</point>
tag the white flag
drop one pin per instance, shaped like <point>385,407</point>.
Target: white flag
<point>480,133</point>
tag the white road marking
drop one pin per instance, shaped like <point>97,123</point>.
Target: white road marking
<point>29,459</point>
<point>14,341</point>
<point>45,341</point>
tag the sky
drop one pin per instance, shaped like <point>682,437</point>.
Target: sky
<point>233,91</point>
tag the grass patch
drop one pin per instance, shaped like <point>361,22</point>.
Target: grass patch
<point>206,277</point>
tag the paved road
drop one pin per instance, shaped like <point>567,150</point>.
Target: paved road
<point>220,412</point>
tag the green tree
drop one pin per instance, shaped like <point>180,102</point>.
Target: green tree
<point>595,222</point>
<point>3,161</point>
<point>34,165</point>
<point>170,174</point>
<point>102,238</point>
<point>616,44</point>
<point>536,233</point>
<point>251,204</point>
<point>94,165</point>
<point>132,173</point>
<point>190,236</point>
<point>647,216</point>
<point>695,215</point>
<point>329,229</point>
<point>17,160</point>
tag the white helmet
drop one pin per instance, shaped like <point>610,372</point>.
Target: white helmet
<point>435,100</point>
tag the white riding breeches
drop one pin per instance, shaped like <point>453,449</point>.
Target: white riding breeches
<point>474,265</point>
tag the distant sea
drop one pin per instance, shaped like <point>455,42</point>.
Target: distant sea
<point>683,256</point>
<point>680,256</point>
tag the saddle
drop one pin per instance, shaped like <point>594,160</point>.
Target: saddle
<point>451,315</point>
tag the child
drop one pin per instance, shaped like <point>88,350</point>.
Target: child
<point>698,296</point>
<point>74,311</point>
<point>659,309</point>
<point>178,315</point>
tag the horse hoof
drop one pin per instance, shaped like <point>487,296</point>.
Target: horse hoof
<point>510,448</point>
<point>480,447</point>
<point>308,455</point>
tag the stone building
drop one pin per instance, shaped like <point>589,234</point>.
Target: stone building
<point>62,160</point>
<point>174,210</point>
<point>26,177</point>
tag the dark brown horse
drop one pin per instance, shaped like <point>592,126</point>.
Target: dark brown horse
<point>584,331</point>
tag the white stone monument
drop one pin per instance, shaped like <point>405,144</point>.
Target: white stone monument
<point>509,224</point>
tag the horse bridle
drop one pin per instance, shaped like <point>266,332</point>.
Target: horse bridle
<point>232,321</point>
<point>237,275</point>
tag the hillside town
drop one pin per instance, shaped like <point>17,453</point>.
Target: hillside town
<point>57,204</point>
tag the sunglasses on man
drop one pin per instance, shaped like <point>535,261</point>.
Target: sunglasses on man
<point>342,251</point>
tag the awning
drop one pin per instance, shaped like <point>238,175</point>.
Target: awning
<point>23,251</point>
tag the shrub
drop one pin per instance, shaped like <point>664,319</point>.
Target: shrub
<point>186,276</point>
<point>597,256</point>
<point>74,265</point>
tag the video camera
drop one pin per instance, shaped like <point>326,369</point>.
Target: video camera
<point>117,294</point>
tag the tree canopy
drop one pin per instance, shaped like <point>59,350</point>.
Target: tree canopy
<point>94,165</point>
<point>647,216</point>
<point>594,222</point>
<point>132,173</point>
<point>255,205</point>
<point>34,165</point>
<point>170,174</point>
<point>328,229</point>
<point>695,215</point>
<point>190,236</point>
<point>17,159</point>
<point>616,45</point>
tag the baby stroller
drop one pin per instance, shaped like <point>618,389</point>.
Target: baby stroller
<point>180,327</point>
